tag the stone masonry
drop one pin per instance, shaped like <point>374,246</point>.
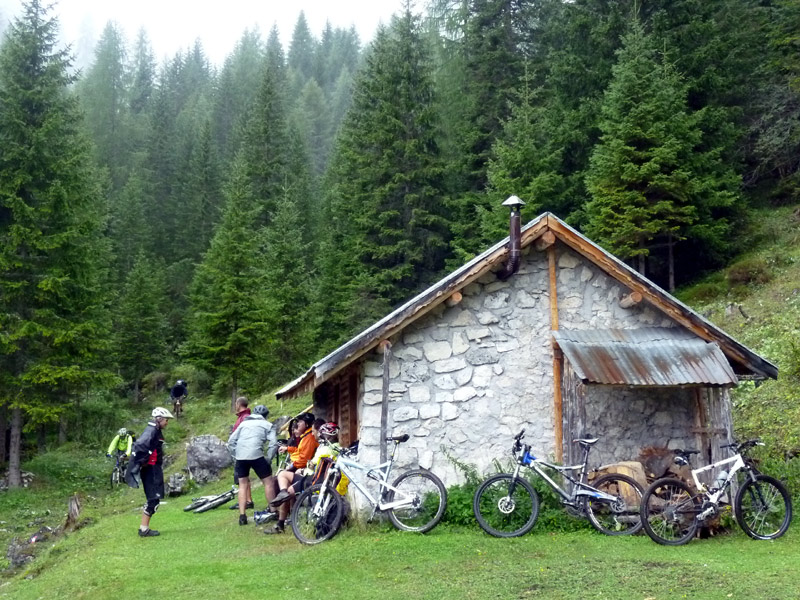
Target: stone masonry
<point>465,379</point>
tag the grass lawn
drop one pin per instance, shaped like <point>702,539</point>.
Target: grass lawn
<point>211,556</point>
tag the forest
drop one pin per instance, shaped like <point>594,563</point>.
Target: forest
<point>232,223</point>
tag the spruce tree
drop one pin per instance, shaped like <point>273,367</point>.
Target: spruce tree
<point>388,175</point>
<point>648,175</point>
<point>228,317</point>
<point>140,327</point>
<point>52,253</point>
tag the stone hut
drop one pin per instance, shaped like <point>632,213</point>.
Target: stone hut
<point>569,342</point>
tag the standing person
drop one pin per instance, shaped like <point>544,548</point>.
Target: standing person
<point>246,445</point>
<point>146,464</point>
<point>242,411</point>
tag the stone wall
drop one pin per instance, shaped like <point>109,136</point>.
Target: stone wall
<point>465,379</point>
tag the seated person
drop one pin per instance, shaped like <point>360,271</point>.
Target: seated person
<point>301,449</point>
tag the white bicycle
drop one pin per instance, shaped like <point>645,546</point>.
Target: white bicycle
<point>415,501</point>
<point>672,511</point>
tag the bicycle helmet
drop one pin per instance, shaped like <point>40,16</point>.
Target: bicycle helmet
<point>122,432</point>
<point>262,410</point>
<point>161,412</point>
<point>329,430</point>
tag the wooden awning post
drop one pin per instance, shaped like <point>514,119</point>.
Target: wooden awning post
<point>558,409</point>
<point>386,347</point>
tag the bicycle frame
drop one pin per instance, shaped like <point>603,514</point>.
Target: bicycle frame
<point>738,464</point>
<point>580,489</point>
<point>380,473</point>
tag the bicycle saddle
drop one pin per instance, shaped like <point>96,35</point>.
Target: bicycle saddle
<point>586,441</point>
<point>398,438</point>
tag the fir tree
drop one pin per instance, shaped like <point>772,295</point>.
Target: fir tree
<point>140,327</point>
<point>52,254</point>
<point>647,175</point>
<point>228,307</point>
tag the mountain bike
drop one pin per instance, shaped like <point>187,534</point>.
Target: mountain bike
<point>506,505</point>
<point>204,503</point>
<point>672,511</point>
<point>177,406</point>
<point>415,501</point>
<point>118,472</point>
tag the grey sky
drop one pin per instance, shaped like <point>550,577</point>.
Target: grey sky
<point>175,24</point>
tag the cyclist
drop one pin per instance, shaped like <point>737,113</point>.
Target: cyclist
<point>178,394</point>
<point>145,464</point>
<point>242,411</point>
<point>121,445</point>
<point>302,449</point>
<point>246,444</point>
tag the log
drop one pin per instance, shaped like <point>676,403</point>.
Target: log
<point>454,299</point>
<point>546,240</point>
<point>630,300</point>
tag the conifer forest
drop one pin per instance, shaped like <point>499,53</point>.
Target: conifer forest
<point>237,221</point>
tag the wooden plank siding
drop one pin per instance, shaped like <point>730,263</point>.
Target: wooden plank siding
<point>337,400</point>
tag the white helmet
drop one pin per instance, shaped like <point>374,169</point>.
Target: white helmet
<point>161,412</point>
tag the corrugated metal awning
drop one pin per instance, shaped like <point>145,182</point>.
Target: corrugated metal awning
<point>645,357</point>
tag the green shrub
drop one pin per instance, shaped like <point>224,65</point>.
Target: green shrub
<point>748,271</point>
<point>787,470</point>
<point>704,292</point>
<point>791,366</point>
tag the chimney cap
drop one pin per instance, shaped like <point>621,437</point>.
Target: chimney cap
<point>513,201</point>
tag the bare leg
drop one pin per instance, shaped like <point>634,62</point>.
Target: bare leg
<point>244,492</point>
<point>145,522</point>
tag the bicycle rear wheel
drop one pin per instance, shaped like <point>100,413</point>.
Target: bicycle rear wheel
<point>426,500</point>
<point>505,506</point>
<point>669,512</point>
<point>622,516</point>
<point>763,508</point>
<point>317,514</point>
<point>214,503</point>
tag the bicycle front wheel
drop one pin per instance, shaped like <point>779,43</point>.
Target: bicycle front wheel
<point>317,514</point>
<point>424,499</point>
<point>763,508</point>
<point>115,477</point>
<point>669,512</point>
<point>505,506</point>
<point>620,517</point>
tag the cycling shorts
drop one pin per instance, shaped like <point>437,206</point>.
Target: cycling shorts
<point>259,465</point>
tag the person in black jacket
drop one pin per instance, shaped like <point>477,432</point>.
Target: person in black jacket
<point>145,464</point>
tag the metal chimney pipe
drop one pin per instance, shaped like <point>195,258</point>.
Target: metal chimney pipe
<point>514,251</point>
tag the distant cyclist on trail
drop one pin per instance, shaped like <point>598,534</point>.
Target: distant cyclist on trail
<point>178,395</point>
<point>121,445</point>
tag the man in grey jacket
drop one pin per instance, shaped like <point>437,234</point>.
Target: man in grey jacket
<point>246,445</point>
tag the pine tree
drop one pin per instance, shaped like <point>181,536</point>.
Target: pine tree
<point>140,327</point>
<point>52,253</point>
<point>647,174</point>
<point>228,306</point>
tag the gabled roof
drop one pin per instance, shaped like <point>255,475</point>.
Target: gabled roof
<point>745,361</point>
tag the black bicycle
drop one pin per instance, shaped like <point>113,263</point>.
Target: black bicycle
<point>506,505</point>
<point>204,503</point>
<point>118,472</point>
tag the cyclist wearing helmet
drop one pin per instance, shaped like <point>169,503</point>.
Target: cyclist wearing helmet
<point>178,394</point>
<point>300,452</point>
<point>121,444</point>
<point>246,445</point>
<point>146,464</point>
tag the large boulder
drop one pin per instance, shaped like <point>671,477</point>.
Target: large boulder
<point>206,456</point>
